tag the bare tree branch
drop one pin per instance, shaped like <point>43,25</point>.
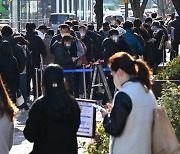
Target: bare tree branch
<point>144,3</point>
<point>167,5</point>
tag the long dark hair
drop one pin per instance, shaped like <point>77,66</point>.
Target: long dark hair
<point>59,102</point>
<point>6,105</point>
<point>131,66</point>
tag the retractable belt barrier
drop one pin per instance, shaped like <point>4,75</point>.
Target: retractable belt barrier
<point>83,70</point>
<point>96,69</point>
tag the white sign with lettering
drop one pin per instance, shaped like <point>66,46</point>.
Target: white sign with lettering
<point>88,118</point>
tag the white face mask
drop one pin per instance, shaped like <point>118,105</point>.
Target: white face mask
<point>67,45</point>
<point>62,35</point>
<point>113,22</point>
<point>132,28</point>
<point>116,80</point>
<point>154,28</point>
<point>115,38</point>
<point>82,34</point>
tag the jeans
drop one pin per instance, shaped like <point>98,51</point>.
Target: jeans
<point>23,86</point>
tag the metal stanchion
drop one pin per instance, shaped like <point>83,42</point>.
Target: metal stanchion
<point>37,88</point>
<point>41,72</point>
<point>91,66</point>
<point>161,46</point>
<point>84,82</point>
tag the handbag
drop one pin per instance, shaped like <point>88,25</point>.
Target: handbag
<point>168,45</point>
<point>164,139</point>
<point>19,98</point>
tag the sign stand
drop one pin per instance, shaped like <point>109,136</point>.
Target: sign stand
<point>99,70</point>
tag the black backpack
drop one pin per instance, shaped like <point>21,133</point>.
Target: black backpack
<point>18,53</point>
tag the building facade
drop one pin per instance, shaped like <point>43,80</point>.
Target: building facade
<point>19,12</point>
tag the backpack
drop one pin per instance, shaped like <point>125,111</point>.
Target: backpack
<point>18,52</point>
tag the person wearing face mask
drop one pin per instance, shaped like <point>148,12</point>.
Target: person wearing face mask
<point>88,42</point>
<point>104,31</point>
<point>113,44</point>
<point>130,117</point>
<point>65,59</point>
<point>76,50</point>
<point>110,46</point>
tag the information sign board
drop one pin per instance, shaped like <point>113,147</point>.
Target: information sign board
<point>88,118</point>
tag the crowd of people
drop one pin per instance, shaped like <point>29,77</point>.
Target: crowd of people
<point>75,44</point>
<point>120,44</point>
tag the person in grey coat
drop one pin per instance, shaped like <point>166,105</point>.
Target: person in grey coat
<point>47,41</point>
<point>64,57</point>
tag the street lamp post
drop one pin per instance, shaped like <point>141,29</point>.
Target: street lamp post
<point>126,8</point>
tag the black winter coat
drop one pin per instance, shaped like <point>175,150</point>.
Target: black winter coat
<point>157,52</point>
<point>90,55</point>
<point>62,56</point>
<point>176,25</point>
<point>10,75</point>
<point>110,48</point>
<point>36,47</point>
<point>97,39</point>
<point>57,38</point>
<point>18,52</point>
<point>52,135</point>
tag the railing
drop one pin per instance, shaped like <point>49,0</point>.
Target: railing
<point>20,25</point>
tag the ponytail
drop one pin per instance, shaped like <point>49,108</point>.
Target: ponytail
<point>144,74</point>
<point>132,67</point>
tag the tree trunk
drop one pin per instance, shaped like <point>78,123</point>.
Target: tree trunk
<point>99,13</point>
<point>138,9</point>
<point>177,5</point>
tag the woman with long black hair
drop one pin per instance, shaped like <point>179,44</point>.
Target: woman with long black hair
<point>7,114</point>
<point>54,118</point>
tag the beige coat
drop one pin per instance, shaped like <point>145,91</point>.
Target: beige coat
<point>6,134</point>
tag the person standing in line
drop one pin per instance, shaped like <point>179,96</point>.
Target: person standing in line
<point>130,119</point>
<point>47,41</point>
<point>41,30</point>
<point>175,37</point>
<point>25,74</point>
<point>37,48</point>
<point>110,46</point>
<point>54,118</point>
<point>65,59</point>
<point>9,69</point>
<point>137,48</point>
<point>7,114</point>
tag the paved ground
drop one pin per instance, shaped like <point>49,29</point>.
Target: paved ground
<point>21,145</point>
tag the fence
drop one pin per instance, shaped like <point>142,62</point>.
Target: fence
<point>20,25</point>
